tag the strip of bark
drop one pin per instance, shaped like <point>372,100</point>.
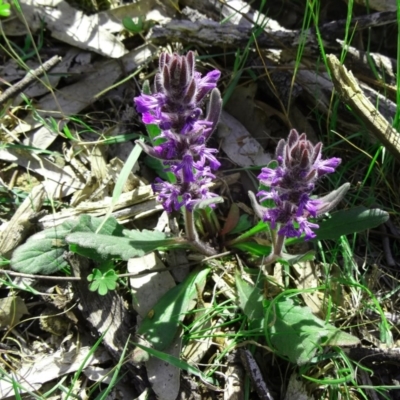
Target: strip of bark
<point>351,93</point>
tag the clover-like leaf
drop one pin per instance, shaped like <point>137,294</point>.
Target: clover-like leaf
<point>102,283</point>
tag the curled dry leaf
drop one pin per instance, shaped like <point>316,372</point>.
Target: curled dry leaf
<point>11,311</point>
<point>238,144</point>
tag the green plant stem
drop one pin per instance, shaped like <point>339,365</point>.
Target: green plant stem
<point>193,238</point>
<point>191,233</point>
<point>278,241</point>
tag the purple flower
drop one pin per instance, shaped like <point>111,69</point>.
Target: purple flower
<point>176,107</point>
<point>291,183</point>
<point>188,194</point>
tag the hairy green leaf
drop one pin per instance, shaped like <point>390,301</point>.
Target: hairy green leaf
<point>250,298</point>
<point>121,247</point>
<point>43,252</point>
<point>297,334</point>
<point>207,202</point>
<point>346,222</point>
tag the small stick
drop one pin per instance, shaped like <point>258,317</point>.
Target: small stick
<point>251,367</point>
<point>28,79</point>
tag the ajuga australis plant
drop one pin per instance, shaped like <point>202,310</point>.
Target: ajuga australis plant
<point>290,184</point>
<point>180,92</point>
<point>176,107</point>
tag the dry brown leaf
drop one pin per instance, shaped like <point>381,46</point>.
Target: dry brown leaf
<point>148,288</point>
<point>45,368</point>
<point>71,26</point>
<point>238,144</point>
<point>74,98</point>
<point>11,311</point>
<point>58,181</point>
<point>255,119</point>
<point>98,208</point>
<point>307,278</point>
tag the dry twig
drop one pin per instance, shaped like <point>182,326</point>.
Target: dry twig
<point>351,93</point>
<point>28,79</point>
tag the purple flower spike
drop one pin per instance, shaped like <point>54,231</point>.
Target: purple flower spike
<point>290,184</point>
<point>176,107</point>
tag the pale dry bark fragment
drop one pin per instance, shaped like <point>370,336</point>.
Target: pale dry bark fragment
<point>351,93</point>
<point>211,33</point>
<point>234,386</point>
<point>99,208</point>
<point>19,226</point>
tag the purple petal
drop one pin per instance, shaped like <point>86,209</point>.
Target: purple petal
<point>168,194</point>
<point>306,227</point>
<point>289,230</point>
<point>271,177</point>
<point>327,166</point>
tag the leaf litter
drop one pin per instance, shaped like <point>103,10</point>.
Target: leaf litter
<point>98,57</point>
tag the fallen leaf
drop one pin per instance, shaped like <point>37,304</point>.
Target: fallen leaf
<point>45,368</point>
<point>11,311</point>
<point>238,144</point>
<point>71,26</point>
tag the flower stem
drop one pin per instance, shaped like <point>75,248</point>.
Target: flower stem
<point>193,237</point>
<point>278,242</point>
<point>190,228</point>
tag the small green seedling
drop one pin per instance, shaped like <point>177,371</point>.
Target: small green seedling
<point>102,283</point>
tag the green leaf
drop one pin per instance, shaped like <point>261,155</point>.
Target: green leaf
<point>102,283</point>
<point>231,220</point>
<point>243,224</point>
<point>121,247</point>
<point>157,166</point>
<point>144,235</point>
<point>88,223</point>
<point>253,248</point>
<point>122,178</point>
<point>260,227</point>
<point>160,329</point>
<point>250,298</point>
<point>346,222</point>
<point>43,252</point>
<point>297,334</point>
<point>134,25</point>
